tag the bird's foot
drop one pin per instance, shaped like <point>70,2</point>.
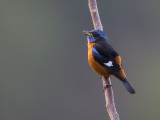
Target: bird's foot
<point>106,86</point>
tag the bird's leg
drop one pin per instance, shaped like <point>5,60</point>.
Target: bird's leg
<point>106,86</point>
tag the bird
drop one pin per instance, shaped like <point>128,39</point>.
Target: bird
<point>103,59</point>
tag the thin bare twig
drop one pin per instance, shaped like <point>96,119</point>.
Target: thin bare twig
<point>108,92</point>
<point>95,15</point>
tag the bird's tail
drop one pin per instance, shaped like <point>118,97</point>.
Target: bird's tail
<point>128,86</point>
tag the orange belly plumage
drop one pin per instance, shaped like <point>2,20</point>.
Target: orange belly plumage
<point>99,69</point>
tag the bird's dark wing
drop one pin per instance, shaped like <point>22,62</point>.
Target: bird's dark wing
<point>105,57</point>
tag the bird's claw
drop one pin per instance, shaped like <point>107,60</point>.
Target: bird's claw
<point>106,86</point>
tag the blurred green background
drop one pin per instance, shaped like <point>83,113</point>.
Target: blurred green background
<point>44,69</point>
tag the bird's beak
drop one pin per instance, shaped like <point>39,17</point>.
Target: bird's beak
<point>87,32</point>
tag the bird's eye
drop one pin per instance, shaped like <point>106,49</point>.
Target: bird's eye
<point>95,34</point>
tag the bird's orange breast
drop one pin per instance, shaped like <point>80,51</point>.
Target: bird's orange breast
<point>99,69</point>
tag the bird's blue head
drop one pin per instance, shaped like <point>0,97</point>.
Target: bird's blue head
<point>95,35</point>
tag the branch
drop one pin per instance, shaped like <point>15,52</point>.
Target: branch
<point>95,15</point>
<point>109,96</point>
<point>108,92</point>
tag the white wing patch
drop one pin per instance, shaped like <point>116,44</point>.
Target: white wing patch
<point>109,64</point>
